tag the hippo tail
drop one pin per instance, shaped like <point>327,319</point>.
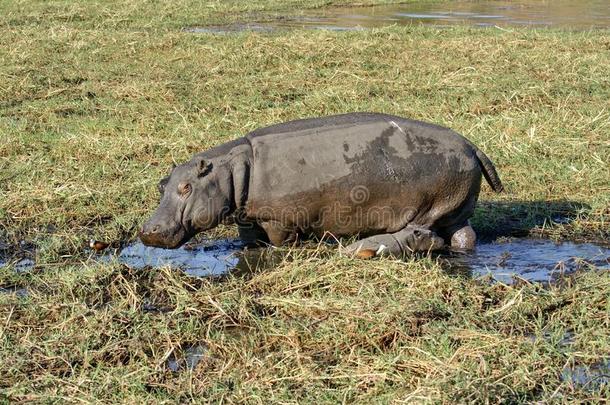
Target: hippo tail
<point>489,171</point>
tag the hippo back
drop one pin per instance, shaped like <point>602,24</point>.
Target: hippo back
<point>360,172</point>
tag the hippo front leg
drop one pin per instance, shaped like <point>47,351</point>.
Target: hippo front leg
<point>252,234</point>
<point>407,241</point>
<point>278,233</point>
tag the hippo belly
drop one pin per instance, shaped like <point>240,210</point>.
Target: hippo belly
<point>374,175</point>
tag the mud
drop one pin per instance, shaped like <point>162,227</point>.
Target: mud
<point>564,14</point>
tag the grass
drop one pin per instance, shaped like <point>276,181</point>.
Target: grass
<point>311,330</point>
<point>98,100</point>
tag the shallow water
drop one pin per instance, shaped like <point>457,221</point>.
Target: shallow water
<point>18,291</point>
<point>586,14</point>
<point>591,377</point>
<point>20,265</point>
<point>214,258</point>
<point>536,260</point>
<point>189,359</point>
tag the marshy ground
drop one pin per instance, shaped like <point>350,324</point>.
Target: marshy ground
<point>98,99</point>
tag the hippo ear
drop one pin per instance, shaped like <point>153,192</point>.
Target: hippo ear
<point>203,167</point>
<point>162,184</point>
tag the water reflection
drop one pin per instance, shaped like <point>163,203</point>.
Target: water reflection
<point>187,359</point>
<point>20,265</point>
<point>591,378</point>
<point>213,258</point>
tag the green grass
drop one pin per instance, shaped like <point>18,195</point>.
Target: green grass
<point>98,99</point>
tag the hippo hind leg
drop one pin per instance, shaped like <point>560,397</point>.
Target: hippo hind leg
<point>373,246</point>
<point>460,236</point>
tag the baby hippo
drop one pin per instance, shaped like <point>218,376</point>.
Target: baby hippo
<point>409,240</point>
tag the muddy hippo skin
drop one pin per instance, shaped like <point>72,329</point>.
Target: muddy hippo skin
<point>363,174</point>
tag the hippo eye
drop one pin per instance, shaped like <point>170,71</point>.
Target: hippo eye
<point>184,189</point>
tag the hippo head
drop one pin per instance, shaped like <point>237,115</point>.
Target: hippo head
<point>193,199</point>
<point>422,239</point>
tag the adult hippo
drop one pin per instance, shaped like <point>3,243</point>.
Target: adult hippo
<point>366,174</point>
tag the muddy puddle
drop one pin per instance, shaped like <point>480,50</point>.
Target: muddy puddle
<point>18,291</point>
<point>187,359</point>
<point>19,265</point>
<point>505,260</point>
<point>589,377</point>
<point>535,260</point>
<point>586,14</point>
<point>213,258</point>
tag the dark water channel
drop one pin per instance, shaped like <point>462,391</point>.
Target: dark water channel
<point>565,14</point>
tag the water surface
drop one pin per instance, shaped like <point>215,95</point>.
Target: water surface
<point>211,258</point>
<point>581,15</point>
<point>535,260</point>
<point>589,377</point>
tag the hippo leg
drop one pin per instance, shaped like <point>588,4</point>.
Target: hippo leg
<point>462,236</point>
<point>408,240</point>
<point>278,233</point>
<point>252,233</point>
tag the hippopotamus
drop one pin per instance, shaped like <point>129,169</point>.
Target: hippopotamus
<point>409,240</point>
<point>379,177</point>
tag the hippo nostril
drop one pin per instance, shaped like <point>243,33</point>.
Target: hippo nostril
<point>156,229</point>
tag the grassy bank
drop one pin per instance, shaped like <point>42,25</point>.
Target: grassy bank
<point>97,101</point>
<point>309,331</point>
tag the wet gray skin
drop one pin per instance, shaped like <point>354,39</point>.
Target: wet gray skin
<point>400,244</point>
<point>192,200</point>
<point>361,174</point>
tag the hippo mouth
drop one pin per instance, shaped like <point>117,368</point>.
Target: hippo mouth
<point>171,238</point>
